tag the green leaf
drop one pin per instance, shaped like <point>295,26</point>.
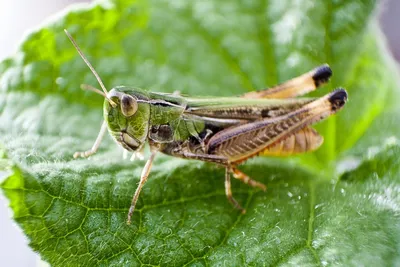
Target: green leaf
<point>74,211</point>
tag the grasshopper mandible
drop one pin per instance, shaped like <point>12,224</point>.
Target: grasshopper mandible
<point>226,131</point>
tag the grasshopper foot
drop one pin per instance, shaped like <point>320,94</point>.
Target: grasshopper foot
<point>84,154</point>
<point>138,155</point>
<point>236,205</point>
<point>176,93</point>
<point>131,210</point>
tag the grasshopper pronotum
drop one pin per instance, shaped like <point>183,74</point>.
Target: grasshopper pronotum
<point>226,131</point>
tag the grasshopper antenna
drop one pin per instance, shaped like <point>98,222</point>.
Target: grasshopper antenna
<point>93,89</point>
<point>91,68</point>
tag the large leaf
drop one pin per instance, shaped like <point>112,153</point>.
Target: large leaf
<point>74,211</point>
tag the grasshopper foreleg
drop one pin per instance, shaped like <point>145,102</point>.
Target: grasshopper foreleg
<point>96,144</point>
<point>143,179</point>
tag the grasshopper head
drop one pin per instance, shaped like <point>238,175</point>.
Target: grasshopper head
<point>127,116</point>
<point>126,110</point>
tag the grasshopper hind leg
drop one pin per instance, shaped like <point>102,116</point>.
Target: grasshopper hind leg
<point>228,190</point>
<point>244,178</point>
<point>247,180</point>
<point>229,169</point>
<point>297,86</point>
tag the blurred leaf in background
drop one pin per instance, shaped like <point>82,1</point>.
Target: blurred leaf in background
<point>339,205</point>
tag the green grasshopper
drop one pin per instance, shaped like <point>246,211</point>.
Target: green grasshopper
<point>226,131</point>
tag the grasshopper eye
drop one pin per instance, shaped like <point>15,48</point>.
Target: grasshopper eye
<point>128,105</point>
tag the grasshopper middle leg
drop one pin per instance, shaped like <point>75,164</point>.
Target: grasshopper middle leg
<point>143,179</point>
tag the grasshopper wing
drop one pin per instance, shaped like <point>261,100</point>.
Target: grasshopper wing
<point>305,140</point>
<point>240,142</point>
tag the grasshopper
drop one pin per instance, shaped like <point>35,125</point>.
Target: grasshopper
<point>226,131</point>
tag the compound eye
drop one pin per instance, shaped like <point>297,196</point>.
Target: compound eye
<point>128,105</point>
